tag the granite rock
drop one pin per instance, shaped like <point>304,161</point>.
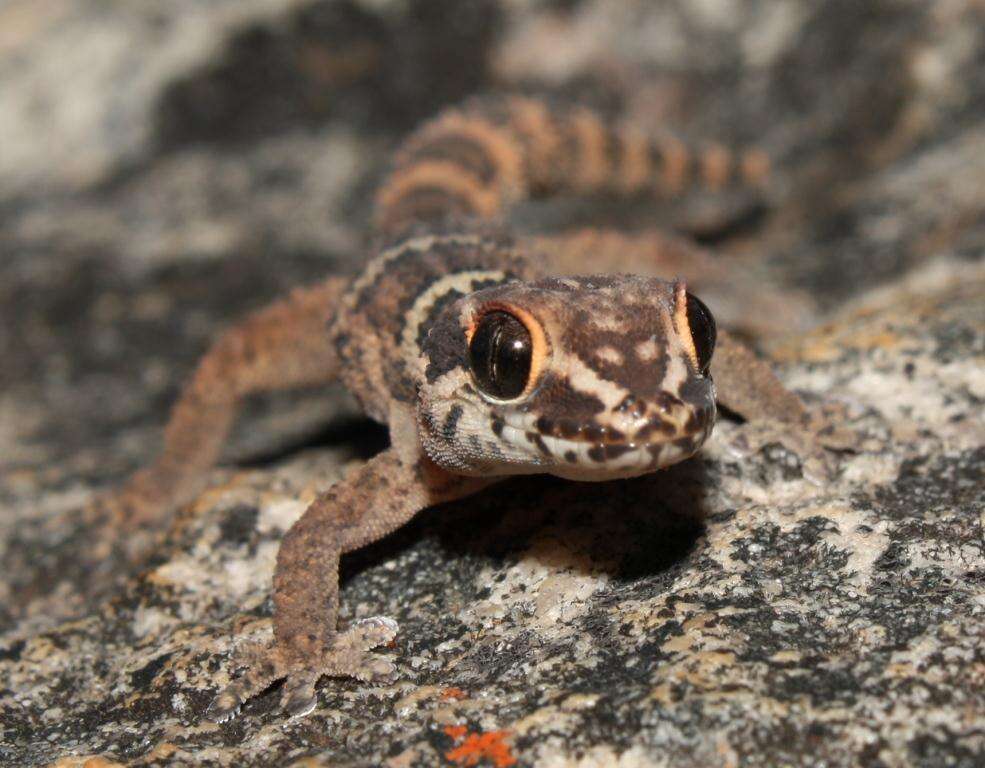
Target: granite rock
<point>725,611</point>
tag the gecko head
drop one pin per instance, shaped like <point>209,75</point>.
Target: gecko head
<point>588,378</point>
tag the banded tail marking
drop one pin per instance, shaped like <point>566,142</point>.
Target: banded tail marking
<point>479,159</point>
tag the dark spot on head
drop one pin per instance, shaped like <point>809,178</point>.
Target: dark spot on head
<point>441,303</point>
<point>567,428</point>
<point>571,457</point>
<point>497,426</point>
<point>656,424</point>
<point>450,427</point>
<point>614,451</point>
<point>444,348</point>
<point>557,400</point>
<point>537,440</point>
<point>597,453</point>
<point>444,301</point>
<point>594,432</point>
<point>666,401</point>
<point>544,426</point>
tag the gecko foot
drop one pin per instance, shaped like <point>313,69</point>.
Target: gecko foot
<point>348,656</point>
<point>127,522</point>
<point>816,442</point>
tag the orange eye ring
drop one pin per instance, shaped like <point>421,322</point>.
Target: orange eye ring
<point>695,325</point>
<point>505,344</point>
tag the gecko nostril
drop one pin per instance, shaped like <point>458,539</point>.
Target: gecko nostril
<point>625,404</point>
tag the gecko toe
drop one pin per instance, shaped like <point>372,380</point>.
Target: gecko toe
<point>228,703</point>
<point>224,707</point>
<point>819,462</point>
<point>372,668</point>
<point>263,667</point>
<point>349,655</point>
<point>372,632</point>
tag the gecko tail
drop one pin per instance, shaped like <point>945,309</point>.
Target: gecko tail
<point>493,152</point>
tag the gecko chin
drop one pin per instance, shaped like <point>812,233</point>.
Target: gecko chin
<point>589,378</point>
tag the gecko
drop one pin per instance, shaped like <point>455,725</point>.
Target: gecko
<point>488,354</point>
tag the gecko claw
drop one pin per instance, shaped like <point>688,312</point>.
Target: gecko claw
<point>222,711</point>
<point>816,443</point>
<point>264,665</point>
<point>298,697</point>
<point>350,655</point>
<point>377,630</point>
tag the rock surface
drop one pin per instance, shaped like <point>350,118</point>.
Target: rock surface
<point>723,612</point>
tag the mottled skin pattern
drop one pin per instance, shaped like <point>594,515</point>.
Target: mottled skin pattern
<point>618,382</point>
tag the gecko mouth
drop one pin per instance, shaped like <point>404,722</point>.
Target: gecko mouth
<point>590,451</point>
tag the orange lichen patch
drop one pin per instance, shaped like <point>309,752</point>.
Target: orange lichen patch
<point>457,732</point>
<point>489,746</point>
<point>453,694</point>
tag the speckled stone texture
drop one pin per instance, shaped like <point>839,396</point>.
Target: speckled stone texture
<point>161,172</point>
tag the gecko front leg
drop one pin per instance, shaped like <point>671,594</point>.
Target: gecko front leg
<point>279,347</point>
<point>747,385</point>
<point>372,501</point>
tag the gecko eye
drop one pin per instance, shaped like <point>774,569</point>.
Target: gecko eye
<point>500,352</point>
<point>702,327</point>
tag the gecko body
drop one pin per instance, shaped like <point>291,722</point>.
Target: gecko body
<point>487,355</point>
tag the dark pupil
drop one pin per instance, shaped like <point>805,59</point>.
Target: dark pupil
<point>499,354</point>
<point>702,326</point>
